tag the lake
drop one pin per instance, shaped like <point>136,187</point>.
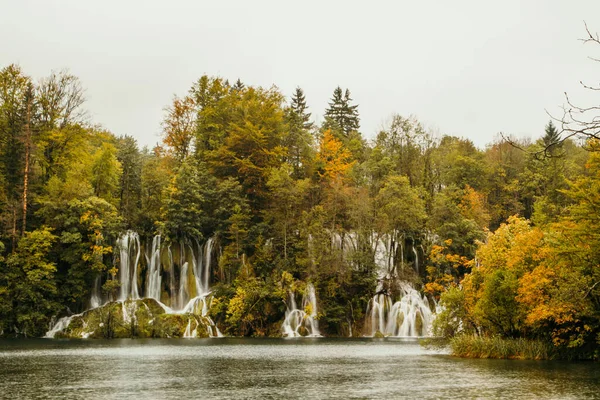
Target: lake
<point>275,368</point>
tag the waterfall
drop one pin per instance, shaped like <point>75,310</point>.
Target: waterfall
<point>171,269</point>
<point>188,333</point>
<point>410,316</point>
<point>416,259</point>
<point>183,282</point>
<point>154,280</point>
<point>59,326</point>
<point>208,248</point>
<point>189,275</point>
<point>295,318</point>
<point>96,299</point>
<point>129,245</point>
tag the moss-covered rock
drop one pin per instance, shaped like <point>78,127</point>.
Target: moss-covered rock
<point>145,318</point>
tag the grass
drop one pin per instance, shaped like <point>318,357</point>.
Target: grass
<point>470,346</point>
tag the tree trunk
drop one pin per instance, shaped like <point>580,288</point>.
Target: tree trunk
<point>26,173</point>
<point>14,227</point>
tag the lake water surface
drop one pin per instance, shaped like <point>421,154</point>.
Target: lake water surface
<point>275,368</point>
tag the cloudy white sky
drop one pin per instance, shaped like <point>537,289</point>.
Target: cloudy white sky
<point>466,68</point>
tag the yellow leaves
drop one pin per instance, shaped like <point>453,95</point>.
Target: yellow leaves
<point>308,309</point>
<point>473,206</point>
<point>85,216</point>
<point>515,246</point>
<point>334,157</point>
<point>179,126</point>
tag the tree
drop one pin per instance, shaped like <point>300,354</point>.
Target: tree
<point>251,143</point>
<point>287,196</point>
<point>32,284</point>
<point>401,211</point>
<point>156,173</point>
<point>179,126</point>
<point>183,211</point>
<point>130,186</point>
<point>333,160</point>
<point>298,109</point>
<point>61,117</point>
<point>298,139</point>
<point>406,143</point>
<point>551,139</point>
<point>342,113</point>
<point>15,92</point>
<point>106,173</point>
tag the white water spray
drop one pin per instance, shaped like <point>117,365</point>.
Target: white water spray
<point>295,318</point>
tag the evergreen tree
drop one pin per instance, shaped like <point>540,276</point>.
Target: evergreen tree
<point>342,113</point>
<point>299,109</point>
<point>551,139</point>
<point>130,186</point>
<point>298,140</point>
<point>238,86</point>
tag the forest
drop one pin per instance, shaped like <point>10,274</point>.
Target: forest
<point>504,241</point>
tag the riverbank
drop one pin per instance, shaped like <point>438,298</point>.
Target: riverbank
<point>471,346</point>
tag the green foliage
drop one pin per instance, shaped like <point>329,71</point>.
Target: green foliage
<point>183,211</point>
<point>497,347</point>
<point>287,204</point>
<point>401,210</point>
<point>30,283</point>
<point>341,114</point>
<point>130,186</point>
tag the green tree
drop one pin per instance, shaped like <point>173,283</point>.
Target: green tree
<point>130,186</point>
<point>287,198</point>
<point>106,173</point>
<point>342,113</point>
<point>298,139</point>
<point>183,210</point>
<point>401,211</point>
<point>14,89</point>
<point>32,284</point>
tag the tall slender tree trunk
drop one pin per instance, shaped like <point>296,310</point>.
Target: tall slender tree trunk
<point>14,227</point>
<point>26,172</point>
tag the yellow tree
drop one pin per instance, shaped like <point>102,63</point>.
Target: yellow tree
<point>179,126</point>
<point>333,159</point>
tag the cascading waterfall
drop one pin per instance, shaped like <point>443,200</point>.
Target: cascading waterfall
<point>129,245</point>
<point>190,293</point>
<point>304,319</point>
<point>416,259</point>
<point>96,298</point>
<point>411,315</point>
<point>408,317</point>
<point>154,279</point>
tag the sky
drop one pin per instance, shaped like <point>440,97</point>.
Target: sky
<point>464,68</point>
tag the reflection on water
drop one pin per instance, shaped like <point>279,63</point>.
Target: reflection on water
<point>275,368</point>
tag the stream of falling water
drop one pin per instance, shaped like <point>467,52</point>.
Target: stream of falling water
<point>408,316</point>
<point>186,296</point>
<point>303,319</point>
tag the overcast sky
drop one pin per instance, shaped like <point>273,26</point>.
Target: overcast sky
<point>465,68</point>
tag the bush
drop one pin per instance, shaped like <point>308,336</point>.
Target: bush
<point>496,347</point>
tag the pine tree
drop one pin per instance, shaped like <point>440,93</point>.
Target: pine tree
<point>238,86</point>
<point>551,139</point>
<point>298,109</point>
<point>344,115</point>
<point>298,139</point>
